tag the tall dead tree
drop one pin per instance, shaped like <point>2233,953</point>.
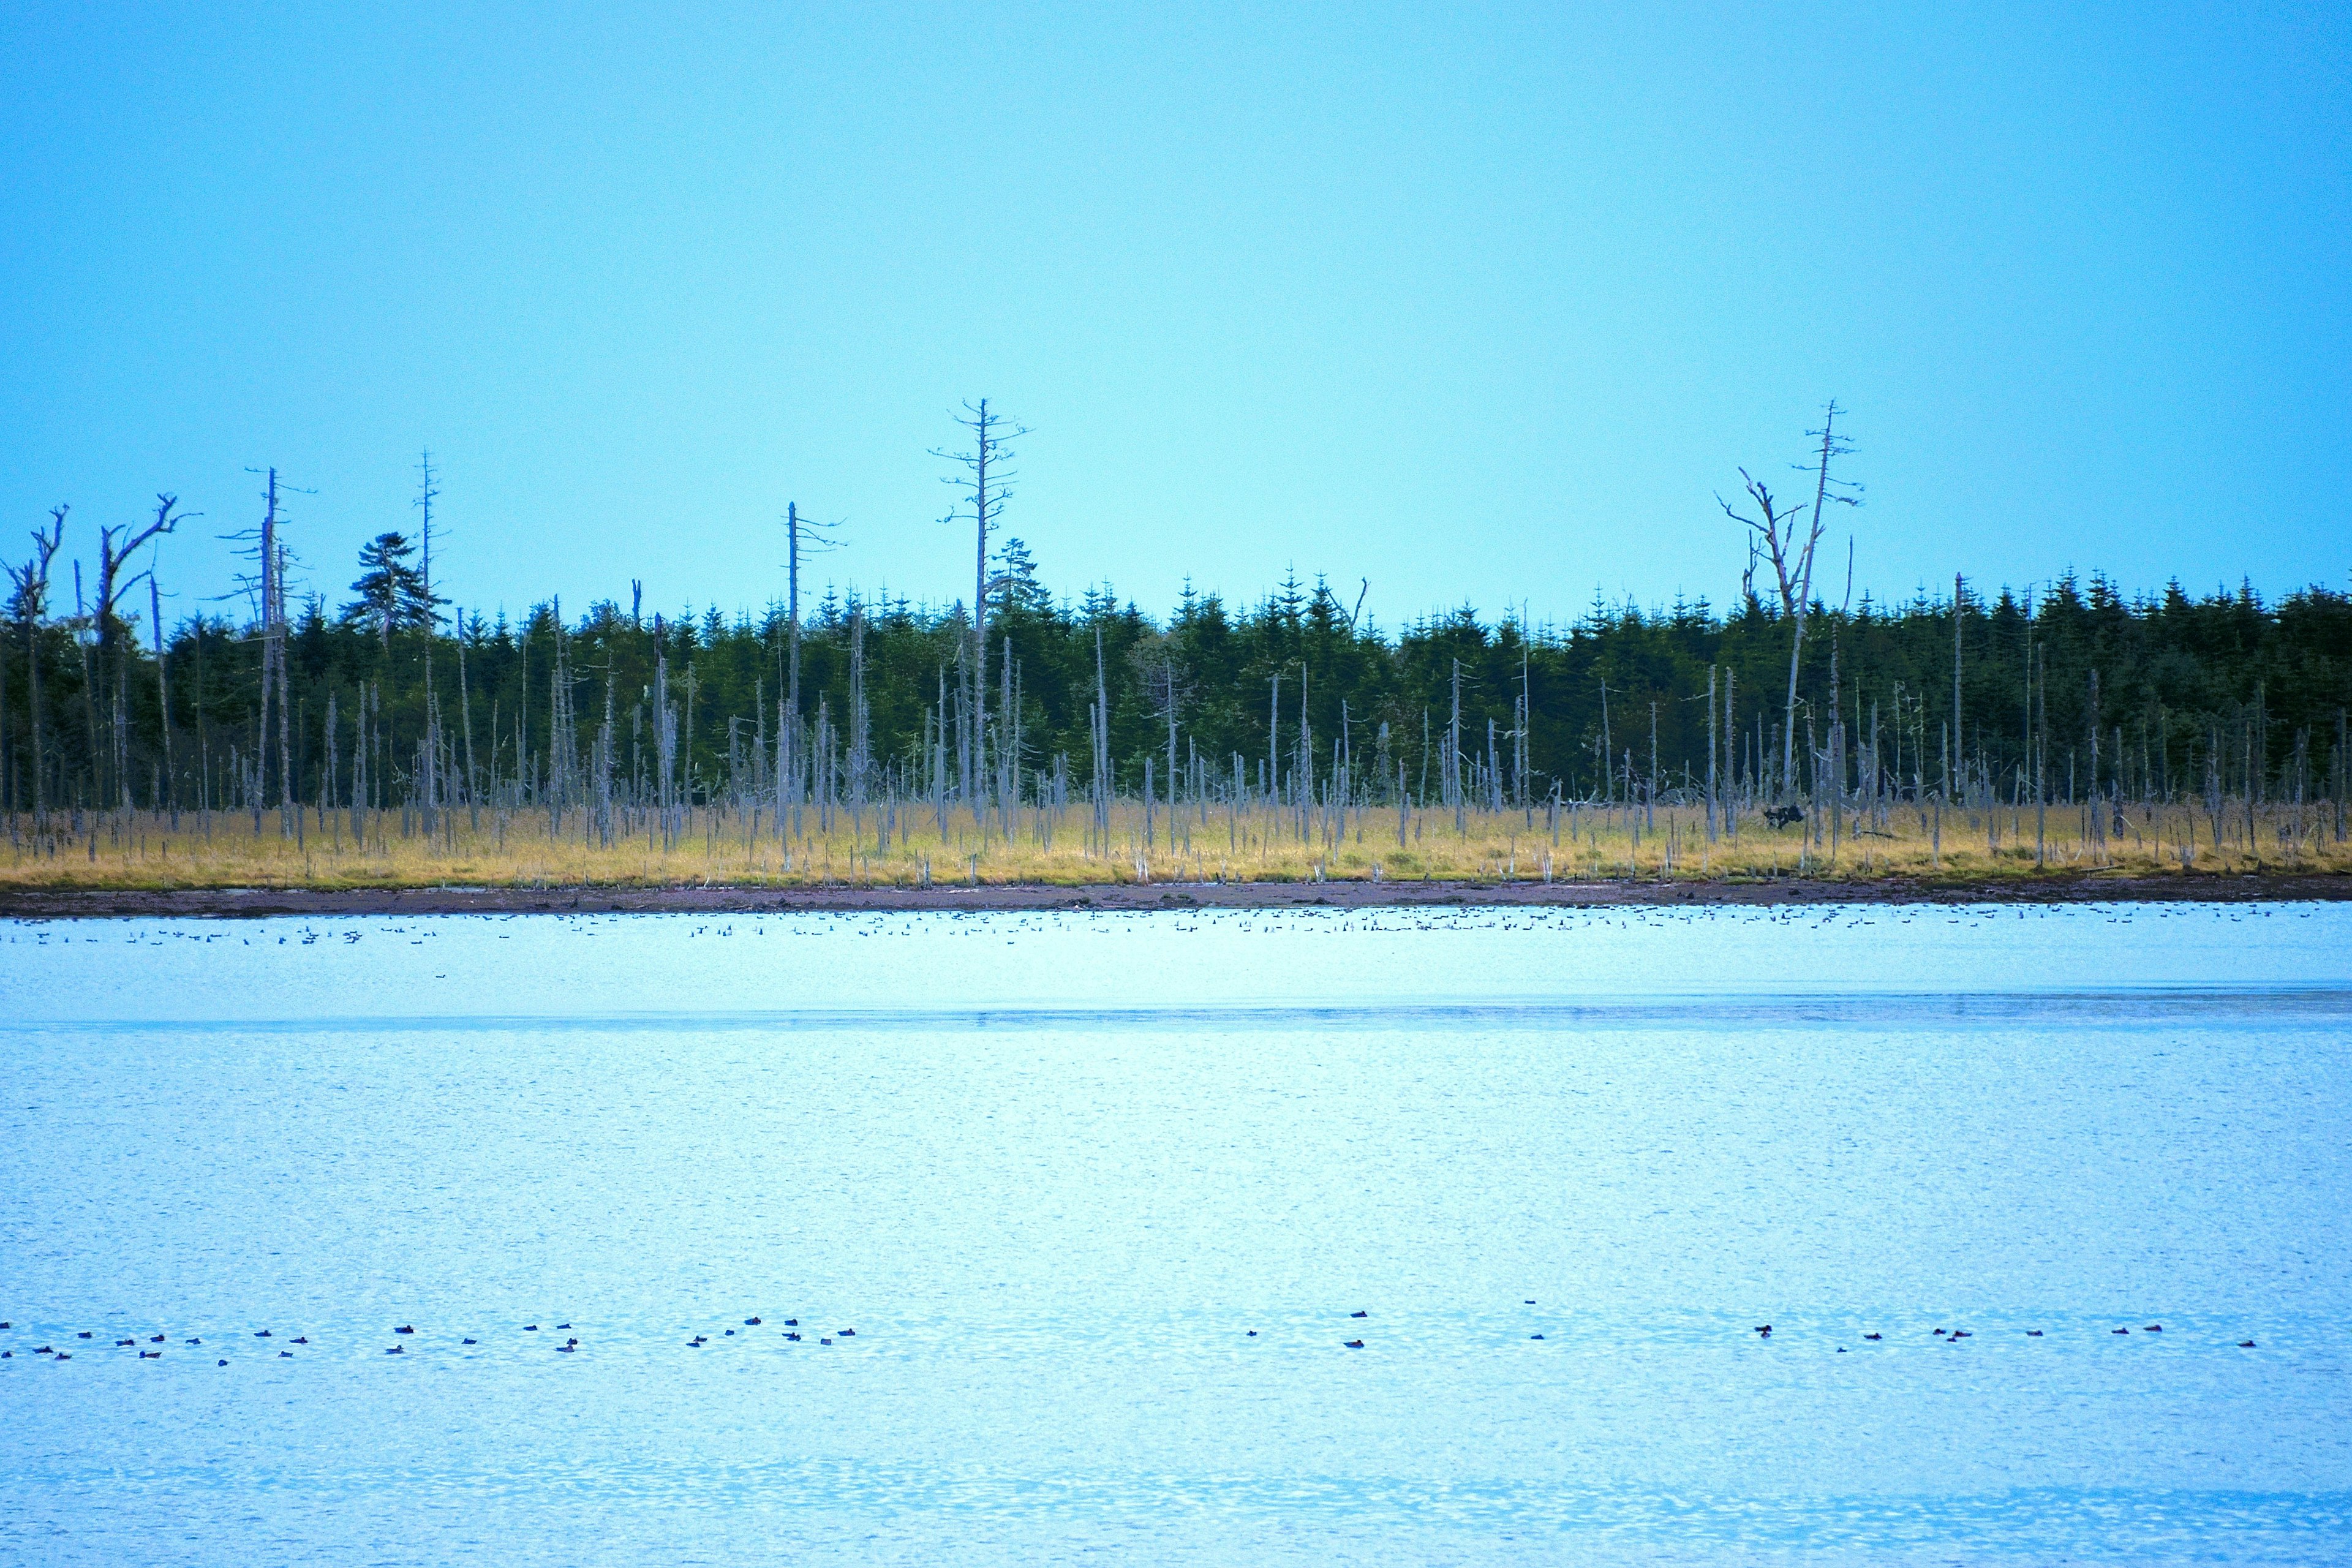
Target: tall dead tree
<point>987,484</point>
<point>268,587</point>
<point>427,494</point>
<point>112,663</point>
<point>32,596</point>
<point>801,536</point>
<point>1791,559</point>
<point>167,784</point>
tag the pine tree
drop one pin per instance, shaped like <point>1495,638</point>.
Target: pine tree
<point>392,594</point>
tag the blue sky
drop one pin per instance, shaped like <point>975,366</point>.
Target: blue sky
<point>1481,303</point>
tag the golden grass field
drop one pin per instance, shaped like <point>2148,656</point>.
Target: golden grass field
<point>714,846</point>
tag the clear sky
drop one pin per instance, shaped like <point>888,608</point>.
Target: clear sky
<point>1481,303</point>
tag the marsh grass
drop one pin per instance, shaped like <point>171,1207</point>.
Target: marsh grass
<point>720,846</point>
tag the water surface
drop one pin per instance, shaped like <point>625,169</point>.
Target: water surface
<point>1053,1170</point>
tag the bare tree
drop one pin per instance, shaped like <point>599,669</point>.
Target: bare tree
<point>32,596</point>
<point>269,589</point>
<point>987,484</point>
<point>801,536</point>
<point>114,667</point>
<point>1792,560</point>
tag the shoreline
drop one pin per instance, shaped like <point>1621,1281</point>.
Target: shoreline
<point>229,903</point>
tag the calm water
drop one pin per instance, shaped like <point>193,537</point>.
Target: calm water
<point>1053,1170</point>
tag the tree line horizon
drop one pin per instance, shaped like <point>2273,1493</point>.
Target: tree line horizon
<point>2075,693</point>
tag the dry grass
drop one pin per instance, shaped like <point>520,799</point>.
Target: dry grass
<point>516,850</point>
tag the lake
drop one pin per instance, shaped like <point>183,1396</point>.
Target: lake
<point>1105,1199</point>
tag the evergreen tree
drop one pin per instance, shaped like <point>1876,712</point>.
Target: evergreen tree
<point>392,592</point>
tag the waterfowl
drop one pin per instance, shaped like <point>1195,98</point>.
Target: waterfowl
<point>531,1327</point>
<point>846,1333</point>
<point>194,1342</point>
<point>1253,1333</point>
<point>1535,1336</point>
<point>7,1325</point>
<point>793,1337</point>
<point>45,1349</point>
<point>2034,1333</point>
<point>1962,1334</point>
<point>405,1328</point>
<point>1354,1344</point>
<point>264,1334</point>
<point>731,1333</point>
<point>565,1350</point>
<point>791,1322</point>
<point>2245,1345</point>
<point>83,1335</point>
<point>562,1325</point>
<point>1766,1330</point>
<point>120,1344</point>
<point>2153,1329</point>
<point>1529,1302</point>
<point>285,1355</point>
<point>1359,1314</point>
<point>468,1342</point>
<point>1873,1336</point>
<point>301,1339</point>
<point>823,1341</point>
<point>393,1351</point>
<point>2119,1331</point>
<point>158,1339</point>
<point>748,1323</point>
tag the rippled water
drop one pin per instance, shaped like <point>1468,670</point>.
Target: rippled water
<point>1053,1170</point>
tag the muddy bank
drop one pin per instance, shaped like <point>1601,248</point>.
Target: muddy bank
<point>65,903</point>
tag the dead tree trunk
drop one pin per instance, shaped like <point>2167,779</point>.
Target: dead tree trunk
<point>32,581</point>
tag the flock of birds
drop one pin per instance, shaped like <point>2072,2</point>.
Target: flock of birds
<point>1954,1336</point>
<point>570,1346</point>
<point>790,1330</point>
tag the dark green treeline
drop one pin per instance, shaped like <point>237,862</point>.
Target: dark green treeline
<point>2183,696</point>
